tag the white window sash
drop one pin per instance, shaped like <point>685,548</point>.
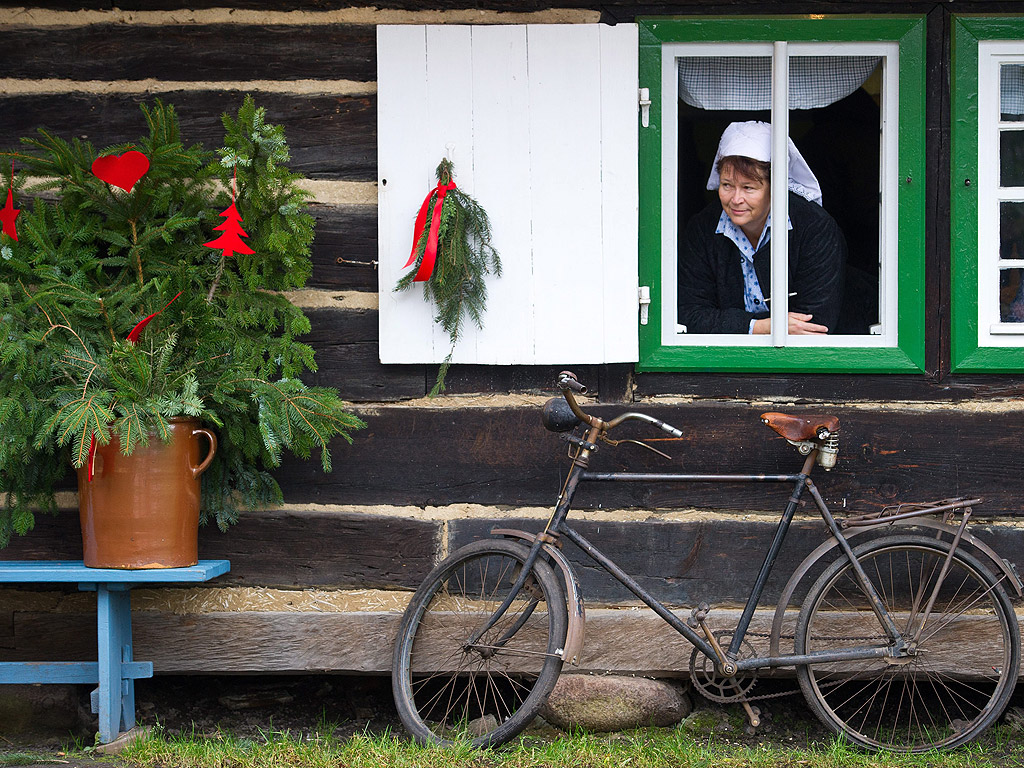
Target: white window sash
<point>672,335</point>
<point>992,332</point>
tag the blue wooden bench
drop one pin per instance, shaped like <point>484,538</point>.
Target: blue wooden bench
<point>115,670</point>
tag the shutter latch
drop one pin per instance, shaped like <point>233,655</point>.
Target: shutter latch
<point>645,107</point>
<point>644,296</point>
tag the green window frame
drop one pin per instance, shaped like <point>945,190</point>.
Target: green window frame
<point>973,348</point>
<point>906,354</point>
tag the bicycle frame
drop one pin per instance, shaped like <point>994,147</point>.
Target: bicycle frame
<point>801,482</point>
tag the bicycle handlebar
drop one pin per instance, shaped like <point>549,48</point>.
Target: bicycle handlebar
<point>568,383</point>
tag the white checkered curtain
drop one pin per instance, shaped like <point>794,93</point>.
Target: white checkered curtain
<point>745,82</point>
<point>1011,91</point>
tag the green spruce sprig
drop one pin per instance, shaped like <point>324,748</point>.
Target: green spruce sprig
<point>465,256</point>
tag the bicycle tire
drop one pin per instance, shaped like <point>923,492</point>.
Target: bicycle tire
<point>446,692</point>
<point>958,683</point>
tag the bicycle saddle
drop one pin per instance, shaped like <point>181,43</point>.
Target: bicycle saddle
<point>801,427</point>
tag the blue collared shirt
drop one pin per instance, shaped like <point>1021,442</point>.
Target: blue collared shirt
<point>753,297</point>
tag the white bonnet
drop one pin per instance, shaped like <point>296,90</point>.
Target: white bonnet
<point>753,139</point>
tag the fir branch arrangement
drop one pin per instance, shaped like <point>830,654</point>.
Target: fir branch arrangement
<point>92,261</point>
<point>456,286</point>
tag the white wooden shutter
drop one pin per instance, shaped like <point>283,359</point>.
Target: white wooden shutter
<point>541,123</point>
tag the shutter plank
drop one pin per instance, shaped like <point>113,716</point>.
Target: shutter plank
<point>501,105</point>
<point>565,143</point>
<point>449,124</point>
<point>405,319</point>
<point>619,187</point>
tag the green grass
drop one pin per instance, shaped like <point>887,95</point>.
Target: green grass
<point>648,748</point>
<point>22,758</point>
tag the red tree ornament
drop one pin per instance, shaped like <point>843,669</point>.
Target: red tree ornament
<point>9,214</point>
<point>121,170</point>
<point>231,240</point>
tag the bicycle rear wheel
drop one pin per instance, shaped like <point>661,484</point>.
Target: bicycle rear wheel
<point>956,683</point>
<point>447,690</point>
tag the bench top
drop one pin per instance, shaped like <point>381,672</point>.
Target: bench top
<point>74,571</point>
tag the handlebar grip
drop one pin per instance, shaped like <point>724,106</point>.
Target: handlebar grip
<point>568,380</point>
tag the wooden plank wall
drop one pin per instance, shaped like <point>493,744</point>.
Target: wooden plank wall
<point>316,585</point>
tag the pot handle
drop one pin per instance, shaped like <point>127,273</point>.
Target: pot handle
<point>197,471</point>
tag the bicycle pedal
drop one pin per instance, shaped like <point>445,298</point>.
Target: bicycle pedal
<point>753,717</point>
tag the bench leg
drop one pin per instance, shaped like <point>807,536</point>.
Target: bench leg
<point>114,637</point>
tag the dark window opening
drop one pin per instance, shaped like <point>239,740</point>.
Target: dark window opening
<point>841,144</point>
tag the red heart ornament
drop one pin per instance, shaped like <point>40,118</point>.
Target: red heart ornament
<point>121,170</point>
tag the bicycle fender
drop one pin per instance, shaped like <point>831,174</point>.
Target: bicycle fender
<point>831,543</point>
<point>573,595</point>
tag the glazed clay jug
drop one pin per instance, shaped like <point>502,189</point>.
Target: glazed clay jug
<point>142,511</point>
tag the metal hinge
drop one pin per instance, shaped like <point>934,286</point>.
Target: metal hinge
<point>644,297</point>
<point>645,107</point>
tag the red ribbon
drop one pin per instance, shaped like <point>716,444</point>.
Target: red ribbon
<point>133,336</point>
<point>430,253</point>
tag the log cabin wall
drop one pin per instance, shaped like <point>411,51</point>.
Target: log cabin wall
<point>317,584</point>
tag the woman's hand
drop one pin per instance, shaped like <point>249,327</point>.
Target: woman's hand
<point>799,325</point>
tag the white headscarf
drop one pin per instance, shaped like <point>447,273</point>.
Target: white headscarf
<point>754,139</point>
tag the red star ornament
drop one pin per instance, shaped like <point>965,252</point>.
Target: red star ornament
<point>231,240</point>
<point>8,215</point>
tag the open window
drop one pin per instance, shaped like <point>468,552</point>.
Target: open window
<point>987,196</point>
<point>849,93</point>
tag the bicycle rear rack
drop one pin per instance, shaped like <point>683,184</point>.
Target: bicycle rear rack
<point>908,510</point>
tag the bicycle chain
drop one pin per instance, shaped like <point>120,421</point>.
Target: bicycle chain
<point>781,694</point>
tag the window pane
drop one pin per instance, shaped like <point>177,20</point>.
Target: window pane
<point>1011,295</point>
<point>1011,231</point>
<point>1011,91</point>
<point>722,292</point>
<point>1011,158</point>
<point>841,145</point>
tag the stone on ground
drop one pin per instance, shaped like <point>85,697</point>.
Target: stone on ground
<point>615,703</point>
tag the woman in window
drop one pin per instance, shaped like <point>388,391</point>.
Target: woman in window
<point>725,262</point>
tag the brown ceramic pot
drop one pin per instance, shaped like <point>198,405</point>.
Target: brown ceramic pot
<point>142,511</point>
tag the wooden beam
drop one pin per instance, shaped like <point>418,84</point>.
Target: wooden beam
<point>504,456</point>
<point>620,641</point>
<point>332,137</point>
<point>284,548</point>
<point>346,232</point>
<point>213,51</point>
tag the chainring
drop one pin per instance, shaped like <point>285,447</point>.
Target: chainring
<point>711,685</point>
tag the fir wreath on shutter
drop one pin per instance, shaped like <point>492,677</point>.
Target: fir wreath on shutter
<point>452,255</point>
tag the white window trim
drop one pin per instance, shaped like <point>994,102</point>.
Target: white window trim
<point>889,219</point>
<point>991,55</point>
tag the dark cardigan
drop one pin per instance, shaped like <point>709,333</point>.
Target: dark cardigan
<point>710,298</point>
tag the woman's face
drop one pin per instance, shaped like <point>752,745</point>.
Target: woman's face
<point>745,200</point>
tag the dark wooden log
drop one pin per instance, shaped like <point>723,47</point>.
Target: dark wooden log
<point>332,137</point>
<point>348,359</point>
<point>283,548</point>
<point>504,456</point>
<point>829,388</point>
<point>349,233</point>
<point>205,52</point>
<point>615,11</point>
<point>715,560</point>
<point>681,563</point>
<point>347,356</point>
<point>623,641</point>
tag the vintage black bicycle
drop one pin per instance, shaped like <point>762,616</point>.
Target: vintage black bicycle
<point>906,641</point>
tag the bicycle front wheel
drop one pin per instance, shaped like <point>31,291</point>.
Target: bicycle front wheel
<point>449,689</point>
<point>965,650</point>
